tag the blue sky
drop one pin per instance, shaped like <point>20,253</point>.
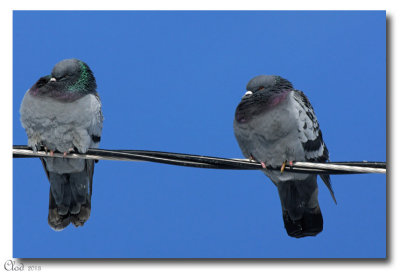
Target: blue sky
<point>170,81</point>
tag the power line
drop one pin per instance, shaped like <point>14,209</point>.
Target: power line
<point>190,160</point>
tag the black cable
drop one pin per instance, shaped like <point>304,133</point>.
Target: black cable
<point>199,161</point>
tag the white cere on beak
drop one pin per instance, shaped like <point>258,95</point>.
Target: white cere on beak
<point>52,79</point>
<point>248,93</point>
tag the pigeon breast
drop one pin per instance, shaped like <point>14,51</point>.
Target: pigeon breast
<point>271,136</point>
<point>62,125</point>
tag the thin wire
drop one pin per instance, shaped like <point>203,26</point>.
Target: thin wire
<point>198,161</point>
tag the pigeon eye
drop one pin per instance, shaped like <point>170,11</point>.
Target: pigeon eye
<point>259,88</point>
<point>60,78</point>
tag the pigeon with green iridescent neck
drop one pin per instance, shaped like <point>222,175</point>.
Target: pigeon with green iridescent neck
<point>62,112</point>
<point>275,124</point>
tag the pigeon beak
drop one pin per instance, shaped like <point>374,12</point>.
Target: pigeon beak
<point>248,94</point>
<point>52,79</point>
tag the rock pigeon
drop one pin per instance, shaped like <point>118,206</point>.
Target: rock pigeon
<point>275,124</point>
<point>62,112</point>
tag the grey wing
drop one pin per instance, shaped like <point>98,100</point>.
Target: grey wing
<point>311,136</point>
<point>95,134</point>
<point>96,124</point>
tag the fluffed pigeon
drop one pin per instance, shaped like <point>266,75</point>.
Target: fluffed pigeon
<point>275,124</point>
<point>62,112</point>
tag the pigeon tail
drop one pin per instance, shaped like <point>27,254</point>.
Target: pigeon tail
<point>301,212</point>
<point>70,197</point>
<point>310,224</point>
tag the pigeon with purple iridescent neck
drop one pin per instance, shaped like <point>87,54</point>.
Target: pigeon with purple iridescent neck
<point>275,124</point>
<point>62,112</point>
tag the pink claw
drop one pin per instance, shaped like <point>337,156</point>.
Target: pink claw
<point>263,165</point>
<point>69,150</point>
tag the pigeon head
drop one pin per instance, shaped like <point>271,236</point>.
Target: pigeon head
<point>263,92</point>
<point>268,84</point>
<point>70,80</point>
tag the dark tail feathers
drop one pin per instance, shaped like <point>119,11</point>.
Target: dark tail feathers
<point>70,197</point>
<point>301,212</point>
<point>309,225</point>
<point>59,221</point>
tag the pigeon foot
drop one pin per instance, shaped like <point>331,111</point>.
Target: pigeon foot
<point>284,165</point>
<point>263,165</point>
<point>68,151</point>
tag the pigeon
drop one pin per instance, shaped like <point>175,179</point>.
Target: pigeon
<point>275,125</point>
<point>62,112</point>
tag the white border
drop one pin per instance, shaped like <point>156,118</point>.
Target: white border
<point>255,266</point>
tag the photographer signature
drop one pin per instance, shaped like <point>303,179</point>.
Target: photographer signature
<point>11,265</point>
